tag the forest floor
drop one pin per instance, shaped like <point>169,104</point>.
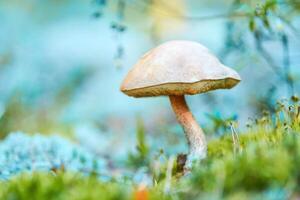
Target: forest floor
<point>262,162</point>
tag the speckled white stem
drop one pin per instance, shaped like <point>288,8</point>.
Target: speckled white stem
<point>193,132</point>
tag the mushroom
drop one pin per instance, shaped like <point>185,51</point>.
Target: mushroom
<point>178,68</point>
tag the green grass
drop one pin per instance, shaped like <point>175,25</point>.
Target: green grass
<point>261,163</point>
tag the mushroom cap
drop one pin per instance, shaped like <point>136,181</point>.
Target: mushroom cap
<point>178,68</point>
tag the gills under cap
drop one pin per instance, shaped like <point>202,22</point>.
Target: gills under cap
<point>178,68</point>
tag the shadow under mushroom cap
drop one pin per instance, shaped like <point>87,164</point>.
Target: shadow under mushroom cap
<point>182,88</point>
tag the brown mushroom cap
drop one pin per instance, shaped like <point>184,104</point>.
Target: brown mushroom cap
<point>178,68</point>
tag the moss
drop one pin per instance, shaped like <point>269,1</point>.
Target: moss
<point>20,152</point>
<point>267,158</point>
<point>262,163</point>
<point>60,187</point>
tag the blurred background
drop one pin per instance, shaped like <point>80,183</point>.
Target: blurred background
<point>62,63</point>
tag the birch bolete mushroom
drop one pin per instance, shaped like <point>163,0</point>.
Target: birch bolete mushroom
<point>175,69</point>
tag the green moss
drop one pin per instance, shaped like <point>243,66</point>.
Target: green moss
<point>268,157</point>
<point>262,163</point>
<point>61,186</point>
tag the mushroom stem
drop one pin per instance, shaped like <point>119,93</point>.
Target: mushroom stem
<point>193,132</point>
